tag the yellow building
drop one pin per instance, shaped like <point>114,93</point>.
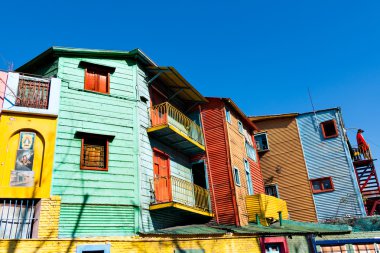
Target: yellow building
<point>28,128</point>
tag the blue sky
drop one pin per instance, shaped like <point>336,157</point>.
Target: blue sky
<point>263,54</point>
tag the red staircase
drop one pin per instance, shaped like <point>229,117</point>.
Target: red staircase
<point>368,181</point>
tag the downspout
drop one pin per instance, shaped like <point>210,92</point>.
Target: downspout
<point>229,163</point>
<point>312,244</point>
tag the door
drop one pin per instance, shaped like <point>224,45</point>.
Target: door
<point>161,170</point>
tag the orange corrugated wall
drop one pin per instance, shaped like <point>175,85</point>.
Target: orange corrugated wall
<point>219,169</point>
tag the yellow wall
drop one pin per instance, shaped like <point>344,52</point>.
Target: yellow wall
<point>136,245</point>
<point>48,218</point>
<point>45,128</point>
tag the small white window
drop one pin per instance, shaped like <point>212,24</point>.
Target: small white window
<point>236,176</point>
<point>240,126</point>
<point>251,152</point>
<point>228,115</point>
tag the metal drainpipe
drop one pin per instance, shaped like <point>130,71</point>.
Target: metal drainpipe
<point>257,220</point>
<point>312,244</point>
<point>280,218</point>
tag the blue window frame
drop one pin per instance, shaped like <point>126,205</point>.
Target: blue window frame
<point>97,248</point>
<point>251,152</point>
<point>240,127</point>
<point>237,176</point>
<point>248,177</point>
<point>228,115</point>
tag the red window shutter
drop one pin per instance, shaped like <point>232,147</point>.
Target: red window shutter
<point>103,83</point>
<point>90,81</point>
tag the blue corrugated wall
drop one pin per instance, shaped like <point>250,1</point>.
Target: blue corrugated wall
<point>330,158</point>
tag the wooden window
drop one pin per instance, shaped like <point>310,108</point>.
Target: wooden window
<point>329,129</point>
<point>324,184</point>
<point>262,142</point>
<point>248,177</point>
<point>250,151</point>
<point>94,154</point>
<point>272,190</point>
<point>240,126</point>
<point>237,176</point>
<point>228,115</point>
<point>97,79</point>
<point>365,248</point>
<point>334,249</point>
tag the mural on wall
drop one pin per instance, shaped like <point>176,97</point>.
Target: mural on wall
<point>23,175</point>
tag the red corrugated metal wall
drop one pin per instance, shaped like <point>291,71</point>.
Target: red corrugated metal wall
<point>219,170</point>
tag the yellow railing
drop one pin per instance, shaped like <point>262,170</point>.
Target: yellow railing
<point>166,114</point>
<point>361,153</point>
<point>189,194</point>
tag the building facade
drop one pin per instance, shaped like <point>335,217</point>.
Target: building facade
<point>317,172</point>
<point>232,161</point>
<point>28,126</point>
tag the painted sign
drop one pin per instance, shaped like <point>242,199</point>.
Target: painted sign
<point>23,175</point>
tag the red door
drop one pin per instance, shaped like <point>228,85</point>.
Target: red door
<point>161,170</point>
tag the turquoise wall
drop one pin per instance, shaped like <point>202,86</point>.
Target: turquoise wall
<point>97,203</point>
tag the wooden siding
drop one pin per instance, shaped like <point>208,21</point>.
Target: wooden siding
<point>219,168</point>
<point>284,165</point>
<point>145,152</point>
<point>238,155</point>
<point>82,220</point>
<point>330,158</point>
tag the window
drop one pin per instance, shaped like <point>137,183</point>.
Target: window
<point>100,248</point>
<point>272,190</point>
<point>322,185</point>
<point>329,129</point>
<point>97,79</point>
<point>94,155</point>
<point>228,115</point>
<point>261,142</point>
<point>333,249</point>
<point>248,177</point>
<point>236,176</point>
<point>17,218</point>
<point>251,152</point>
<point>240,126</point>
<point>365,248</point>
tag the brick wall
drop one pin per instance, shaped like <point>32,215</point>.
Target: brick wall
<point>48,221</point>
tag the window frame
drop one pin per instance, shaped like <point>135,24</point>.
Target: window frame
<point>94,136</point>
<point>93,247</point>
<point>98,69</point>
<point>322,124</point>
<point>257,146</point>
<point>247,146</point>
<point>321,185</point>
<point>275,186</point>
<point>240,126</point>
<point>237,178</point>
<point>228,115</point>
<point>248,176</point>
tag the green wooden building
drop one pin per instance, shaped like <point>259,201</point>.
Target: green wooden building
<point>97,149</point>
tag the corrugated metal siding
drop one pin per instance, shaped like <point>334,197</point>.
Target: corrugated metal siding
<point>95,220</point>
<point>328,158</point>
<point>284,165</point>
<point>218,166</point>
<point>238,154</point>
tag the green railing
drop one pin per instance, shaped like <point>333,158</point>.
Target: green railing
<point>166,114</point>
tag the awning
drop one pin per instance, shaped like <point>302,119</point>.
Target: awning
<point>177,84</point>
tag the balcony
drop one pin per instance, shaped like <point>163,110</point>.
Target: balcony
<point>180,200</point>
<point>30,94</point>
<point>264,209</point>
<point>360,154</point>
<point>175,129</point>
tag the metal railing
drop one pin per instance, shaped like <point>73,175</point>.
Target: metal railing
<point>17,217</point>
<point>187,193</point>
<point>33,92</point>
<point>165,113</point>
<point>361,153</point>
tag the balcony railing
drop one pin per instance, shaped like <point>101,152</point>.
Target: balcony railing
<point>166,114</point>
<point>186,193</point>
<point>361,154</point>
<point>33,92</point>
